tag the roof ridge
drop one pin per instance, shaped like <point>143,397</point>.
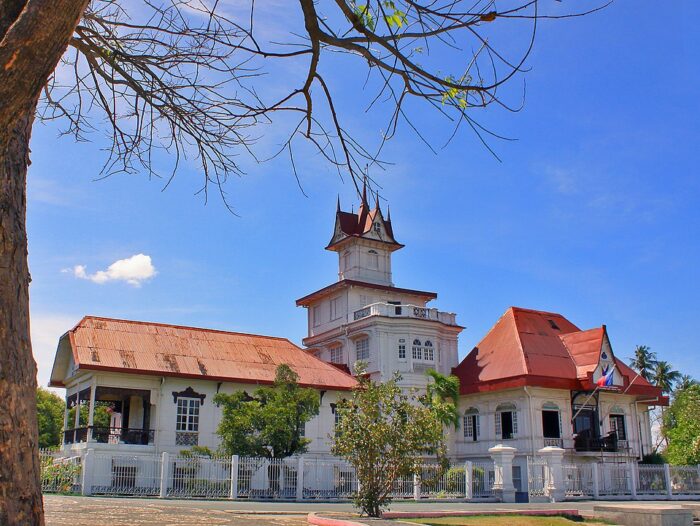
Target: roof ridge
<point>523,355</point>
<point>187,327</point>
<point>536,311</point>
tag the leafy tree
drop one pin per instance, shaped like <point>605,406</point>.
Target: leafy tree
<point>183,78</point>
<point>442,394</point>
<point>682,427</point>
<point>644,362</point>
<point>271,422</point>
<point>665,376</point>
<point>384,432</point>
<point>50,409</point>
<point>683,383</point>
<point>101,416</point>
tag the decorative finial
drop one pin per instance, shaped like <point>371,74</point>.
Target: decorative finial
<point>388,213</point>
<point>364,191</point>
<point>376,200</point>
<point>338,207</point>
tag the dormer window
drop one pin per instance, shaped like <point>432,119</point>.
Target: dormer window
<point>377,227</point>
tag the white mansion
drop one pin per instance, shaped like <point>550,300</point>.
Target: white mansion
<point>534,380</point>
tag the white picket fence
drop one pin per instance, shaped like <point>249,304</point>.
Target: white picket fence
<point>293,478</point>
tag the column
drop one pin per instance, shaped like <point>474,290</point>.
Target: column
<point>88,470</point>
<point>164,468</point>
<point>468,480</point>
<point>503,467</point>
<point>300,478</point>
<point>91,408</point>
<point>65,422</point>
<point>234,477</point>
<point>555,488</point>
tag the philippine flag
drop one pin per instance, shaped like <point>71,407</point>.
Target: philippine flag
<point>606,379</point>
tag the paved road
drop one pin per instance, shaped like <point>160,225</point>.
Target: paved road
<point>103,511</point>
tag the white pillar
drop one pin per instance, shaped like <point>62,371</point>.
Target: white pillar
<point>667,476</point>
<point>416,486</point>
<point>234,477</point>
<point>555,488</point>
<point>468,480</point>
<point>595,475</point>
<point>503,470</point>
<point>88,470</point>
<point>300,478</point>
<point>65,423</point>
<point>165,461</point>
<point>91,408</point>
<point>633,478</point>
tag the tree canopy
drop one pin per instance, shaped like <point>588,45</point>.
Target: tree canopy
<point>681,426</point>
<point>383,432</point>
<point>270,422</point>
<point>50,409</point>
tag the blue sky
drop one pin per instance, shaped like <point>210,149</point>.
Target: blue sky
<point>591,213</point>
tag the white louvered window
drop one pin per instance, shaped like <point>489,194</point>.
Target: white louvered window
<point>506,421</point>
<point>428,351</point>
<point>362,349</point>
<point>417,350</point>
<point>337,354</point>
<point>471,424</point>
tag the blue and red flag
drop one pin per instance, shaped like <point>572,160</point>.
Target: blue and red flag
<point>606,378</point>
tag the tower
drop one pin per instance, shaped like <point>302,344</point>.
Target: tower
<point>364,316</point>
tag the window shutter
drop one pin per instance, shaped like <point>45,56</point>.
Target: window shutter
<point>515,422</point>
<point>498,425</point>
<point>476,430</point>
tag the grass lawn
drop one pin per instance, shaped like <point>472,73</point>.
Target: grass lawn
<point>505,520</point>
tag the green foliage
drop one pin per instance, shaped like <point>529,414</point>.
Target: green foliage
<point>100,418</point>
<point>270,423</point>
<point>684,382</point>
<point>644,362</point>
<point>665,376</point>
<point>57,475</point>
<point>455,479</point>
<point>50,409</point>
<point>197,452</point>
<point>682,427</point>
<point>653,458</point>
<point>383,432</point>
<point>442,395</point>
<point>394,17</point>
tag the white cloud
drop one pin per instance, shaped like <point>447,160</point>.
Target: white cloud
<point>134,270</point>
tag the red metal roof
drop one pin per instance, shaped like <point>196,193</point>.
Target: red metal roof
<point>172,350</point>
<point>330,289</point>
<point>530,347</point>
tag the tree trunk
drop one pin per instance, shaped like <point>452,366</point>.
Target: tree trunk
<point>20,487</point>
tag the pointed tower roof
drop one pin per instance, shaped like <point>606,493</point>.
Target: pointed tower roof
<point>351,225</point>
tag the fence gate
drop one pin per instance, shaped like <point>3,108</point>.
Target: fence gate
<point>536,478</point>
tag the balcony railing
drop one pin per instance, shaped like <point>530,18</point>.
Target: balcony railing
<point>553,442</point>
<point>607,443</point>
<point>405,311</point>
<point>109,435</point>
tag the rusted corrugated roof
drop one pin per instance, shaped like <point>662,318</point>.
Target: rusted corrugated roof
<point>530,347</point>
<point>171,350</point>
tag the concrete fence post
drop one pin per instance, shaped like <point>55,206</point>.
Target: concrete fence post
<point>234,477</point>
<point>555,486</point>
<point>164,467</point>
<point>416,486</point>
<point>503,471</point>
<point>596,480</point>
<point>87,472</point>
<point>300,478</point>
<point>633,478</point>
<point>468,480</point>
<point>667,476</point>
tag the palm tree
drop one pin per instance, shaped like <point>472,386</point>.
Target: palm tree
<point>644,362</point>
<point>665,376</point>
<point>442,394</point>
<point>684,382</point>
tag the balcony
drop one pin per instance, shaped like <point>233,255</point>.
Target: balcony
<point>405,311</point>
<point>608,443</point>
<point>109,435</point>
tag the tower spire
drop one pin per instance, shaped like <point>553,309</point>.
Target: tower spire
<point>337,209</point>
<point>364,192</point>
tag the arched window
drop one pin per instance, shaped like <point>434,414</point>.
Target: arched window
<point>471,424</point>
<point>428,351</point>
<point>506,421</point>
<point>417,350</point>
